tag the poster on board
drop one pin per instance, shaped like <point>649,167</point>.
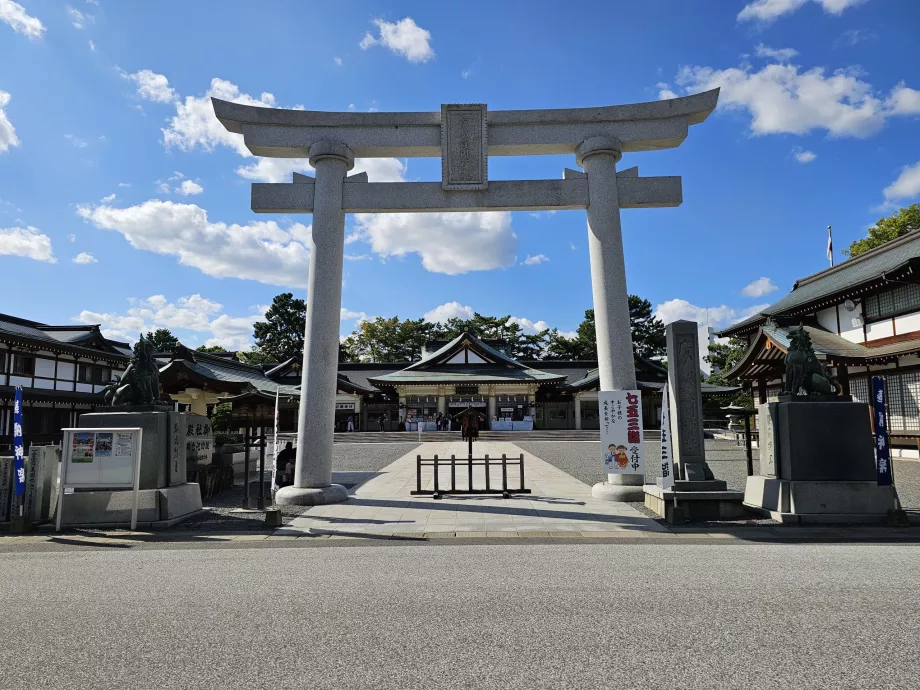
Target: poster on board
<point>622,449</point>
<point>103,445</point>
<point>82,447</point>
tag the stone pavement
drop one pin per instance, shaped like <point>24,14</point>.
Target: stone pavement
<point>558,503</point>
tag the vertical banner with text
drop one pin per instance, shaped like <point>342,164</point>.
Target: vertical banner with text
<point>622,448</point>
<point>667,464</point>
<point>19,462</point>
<point>880,421</point>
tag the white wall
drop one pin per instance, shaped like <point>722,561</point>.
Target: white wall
<point>908,323</point>
<point>44,367</point>
<point>84,388</point>
<point>44,383</point>
<point>20,381</point>
<point>848,330</point>
<point>828,319</point>
<point>879,329</point>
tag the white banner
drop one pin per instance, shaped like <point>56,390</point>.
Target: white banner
<point>622,449</point>
<point>667,462</point>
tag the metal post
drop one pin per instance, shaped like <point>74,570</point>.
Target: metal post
<point>262,441</point>
<point>522,471</point>
<point>246,467</point>
<point>453,474</point>
<point>470,477</point>
<point>436,494</point>
<point>747,444</point>
<point>504,476</point>
<point>418,473</point>
<point>487,473</point>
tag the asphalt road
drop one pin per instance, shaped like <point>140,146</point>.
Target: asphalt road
<point>510,616</point>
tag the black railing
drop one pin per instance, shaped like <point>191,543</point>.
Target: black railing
<point>469,463</point>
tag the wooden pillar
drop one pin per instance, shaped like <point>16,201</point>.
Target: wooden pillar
<point>762,390</point>
<point>843,378</point>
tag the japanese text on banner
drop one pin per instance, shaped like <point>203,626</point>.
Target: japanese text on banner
<point>622,449</point>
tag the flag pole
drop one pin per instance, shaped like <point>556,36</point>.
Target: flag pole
<point>830,246</point>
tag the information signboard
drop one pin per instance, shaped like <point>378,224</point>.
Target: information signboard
<point>107,458</point>
<point>622,449</point>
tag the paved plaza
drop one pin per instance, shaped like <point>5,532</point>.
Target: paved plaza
<point>384,506</point>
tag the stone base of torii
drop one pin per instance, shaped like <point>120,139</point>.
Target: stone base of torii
<point>464,136</point>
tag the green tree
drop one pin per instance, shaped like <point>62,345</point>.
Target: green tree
<point>255,356</point>
<point>210,348</point>
<point>886,229</point>
<point>280,336</point>
<point>163,340</point>
<point>220,417</point>
<point>723,356</point>
<point>648,332</point>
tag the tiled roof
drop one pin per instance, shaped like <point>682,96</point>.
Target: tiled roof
<point>832,345</point>
<point>72,339</point>
<point>222,369</point>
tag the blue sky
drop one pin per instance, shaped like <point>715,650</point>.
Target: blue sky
<point>818,125</point>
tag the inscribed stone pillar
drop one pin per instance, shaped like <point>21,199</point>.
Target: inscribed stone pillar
<point>617,371</point>
<point>316,416</point>
<point>442,404</point>
<point>577,413</point>
<point>685,400</point>
<point>491,408</point>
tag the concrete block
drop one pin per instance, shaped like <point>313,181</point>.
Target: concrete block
<point>177,501</point>
<point>107,507</point>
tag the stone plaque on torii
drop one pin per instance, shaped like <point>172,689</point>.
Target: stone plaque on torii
<point>463,136</point>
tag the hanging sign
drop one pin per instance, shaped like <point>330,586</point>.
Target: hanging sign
<point>882,451</point>
<point>622,447</point>
<point>19,463</point>
<point>667,464</point>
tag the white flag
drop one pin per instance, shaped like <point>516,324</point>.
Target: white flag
<point>275,444</point>
<point>830,246</point>
<point>667,464</point>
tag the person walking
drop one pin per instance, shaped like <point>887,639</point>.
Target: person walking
<point>381,420</point>
<point>285,458</point>
<point>351,423</point>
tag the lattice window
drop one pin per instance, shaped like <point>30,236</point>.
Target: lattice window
<point>902,299</point>
<point>773,393</point>
<point>910,401</point>
<point>859,389</point>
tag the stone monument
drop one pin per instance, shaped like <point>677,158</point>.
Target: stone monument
<point>165,494</point>
<point>817,458</point>
<point>463,136</point>
<point>700,496</point>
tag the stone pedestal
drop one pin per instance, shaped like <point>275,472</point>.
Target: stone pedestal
<point>165,496</point>
<point>697,500</point>
<point>817,464</point>
<point>685,400</point>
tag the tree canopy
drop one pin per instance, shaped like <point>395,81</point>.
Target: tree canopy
<point>280,336</point>
<point>210,348</point>
<point>163,340</point>
<point>886,229</point>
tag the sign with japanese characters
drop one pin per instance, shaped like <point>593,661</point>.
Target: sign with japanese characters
<point>667,460</point>
<point>199,439</point>
<point>880,419</point>
<point>622,449</point>
<point>19,462</point>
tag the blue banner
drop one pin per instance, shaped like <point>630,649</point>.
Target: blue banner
<point>19,466</point>
<point>880,420</point>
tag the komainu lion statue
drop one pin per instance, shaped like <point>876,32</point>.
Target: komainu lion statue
<point>140,384</point>
<point>803,369</point>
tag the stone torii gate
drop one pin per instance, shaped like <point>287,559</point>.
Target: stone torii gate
<point>464,136</point>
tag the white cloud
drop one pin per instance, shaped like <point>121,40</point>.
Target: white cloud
<point>904,100</point>
<point>465,74</point>
<point>26,242</point>
<point>449,310</point>
<point>76,17</point>
<point>92,46</point>
<point>535,260</point>
<point>85,258</point>
<point>79,143</point>
<point>194,313</point>
<point>759,288</point>
<point>338,61</point>
<point>281,169</point>
<point>803,156</point>
<point>72,237</point>
<point>189,188</point>
<point>261,251</point>
<point>572,246</point>
<point>665,92</point>
<point>15,15</point>
<point>358,317</point>
<point>767,11</point>
<point>851,37</point>
<point>7,131</point>
<point>358,257</point>
<point>529,327</point>
<point>906,186</point>
<point>152,86</point>
<point>781,54</point>
<point>717,317</point>
<point>195,125</point>
<point>488,239</point>
<point>404,38</point>
<point>124,184</point>
<point>782,100</point>
<point>107,199</point>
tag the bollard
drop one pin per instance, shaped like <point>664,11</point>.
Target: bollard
<point>487,473</point>
<point>418,473</point>
<point>470,477</point>
<point>505,493</point>
<point>522,471</point>
<point>436,495</point>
